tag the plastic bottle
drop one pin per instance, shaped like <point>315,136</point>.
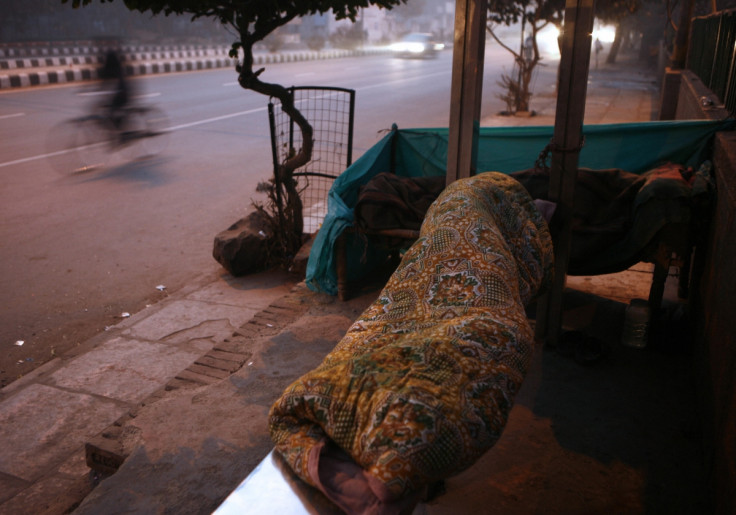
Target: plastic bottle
<point>636,324</point>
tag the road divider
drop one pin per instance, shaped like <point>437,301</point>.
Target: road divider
<point>25,72</point>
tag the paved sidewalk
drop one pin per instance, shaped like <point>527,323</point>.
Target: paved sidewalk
<point>182,391</point>
<point>47,416</point>
<point>618,93</point>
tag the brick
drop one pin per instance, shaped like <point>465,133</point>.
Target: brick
<point>180,384</point>
<point>219,364</point>
<point>207,371</point>
<point>194,377</point>
<point>104,455</point>
<point>236,347</point>
<point>238,357</point>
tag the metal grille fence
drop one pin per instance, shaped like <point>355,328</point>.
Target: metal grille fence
<point>330,112</point>
<point>712,55</point>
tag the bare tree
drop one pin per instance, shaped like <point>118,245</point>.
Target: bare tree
<point>533,16</point>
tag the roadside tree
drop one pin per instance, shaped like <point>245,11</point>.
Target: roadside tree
<point>619,14</point>
<point>253,21</point>
<point>532,16</point>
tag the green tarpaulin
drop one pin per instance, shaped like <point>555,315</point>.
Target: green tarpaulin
<point>634,147</point>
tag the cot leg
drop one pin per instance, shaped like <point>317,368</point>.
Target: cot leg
<point>341,263</point>
<point>683,285</point>
<point>656,292</point>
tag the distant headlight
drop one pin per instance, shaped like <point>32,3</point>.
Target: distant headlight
<point>439,46</point>
<point>414,48</point>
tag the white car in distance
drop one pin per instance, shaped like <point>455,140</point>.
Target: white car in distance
<point>416,45</point>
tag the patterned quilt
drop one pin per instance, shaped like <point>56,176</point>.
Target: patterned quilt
<point>422,383</point>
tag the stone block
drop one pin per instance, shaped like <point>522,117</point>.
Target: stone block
<point>243,248</point>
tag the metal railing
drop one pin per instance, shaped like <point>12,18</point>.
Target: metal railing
<point>330,111</point>
<point>712,55</point>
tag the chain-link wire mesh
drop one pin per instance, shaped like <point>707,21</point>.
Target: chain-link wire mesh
<point>330,112</point>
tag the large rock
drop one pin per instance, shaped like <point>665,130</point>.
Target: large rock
<point>298,265</point>
<point>243,248</point>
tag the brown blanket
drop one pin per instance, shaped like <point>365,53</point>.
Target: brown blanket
<point>422,383</point>
<point>617,214</point>
<point>390,201</point>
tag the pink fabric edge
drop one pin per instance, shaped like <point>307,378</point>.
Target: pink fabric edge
<point>350,487</point>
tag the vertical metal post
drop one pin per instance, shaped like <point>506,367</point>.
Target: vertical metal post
<point>292,123</point>
<point>467,86</point>
<point>682,38</point>
<point>276,162</point>
<point>730,90</point>
<point>566,144</point>
<point>351,129</point>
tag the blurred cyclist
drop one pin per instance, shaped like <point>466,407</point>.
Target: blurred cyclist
<point>113,77</point>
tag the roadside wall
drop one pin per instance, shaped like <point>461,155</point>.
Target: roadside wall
<point>717,329</point>
<point>714,297</point>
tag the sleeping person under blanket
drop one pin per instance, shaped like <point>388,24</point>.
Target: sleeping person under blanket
<point>423,382</point>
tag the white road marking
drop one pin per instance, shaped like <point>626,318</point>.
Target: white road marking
<point>33,158</point>
<point>110,92</point>
<point>14,115</point>
<point>215,119</point>
<point>219,118</point>
<point>94,93</point>
<point>399,81</point>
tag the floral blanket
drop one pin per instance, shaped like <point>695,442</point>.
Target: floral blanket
<point>422,383</point>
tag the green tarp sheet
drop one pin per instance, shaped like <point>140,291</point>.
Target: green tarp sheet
<point>634,147</point>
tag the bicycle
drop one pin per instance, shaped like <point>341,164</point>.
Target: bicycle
<point>89,142</point>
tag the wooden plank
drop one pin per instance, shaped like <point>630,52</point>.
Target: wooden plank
<point>467,87</point>
<point>565,151</point>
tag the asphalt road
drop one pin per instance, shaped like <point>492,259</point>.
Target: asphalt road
<point>76,252</point>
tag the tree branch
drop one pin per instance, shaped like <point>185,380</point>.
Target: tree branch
<point>509,49</point>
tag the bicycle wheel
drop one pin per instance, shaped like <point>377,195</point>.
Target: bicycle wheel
<point>78,145</point>
<point>61,145</point>
<point>147,127</point>
<point>94,144</point>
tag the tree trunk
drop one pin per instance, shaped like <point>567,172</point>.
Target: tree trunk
<point>616,45</point>
<point>526,78</point>
<point>520,104</point>
<point>527,63</point>
<point>291,221</point>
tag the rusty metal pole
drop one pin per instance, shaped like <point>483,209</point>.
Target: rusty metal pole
<point>565,150</point>
<point>682,38</point>
<point>467,86</point>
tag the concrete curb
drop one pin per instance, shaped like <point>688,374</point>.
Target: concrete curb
<point>28,72</point>
<point>77,48</point>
